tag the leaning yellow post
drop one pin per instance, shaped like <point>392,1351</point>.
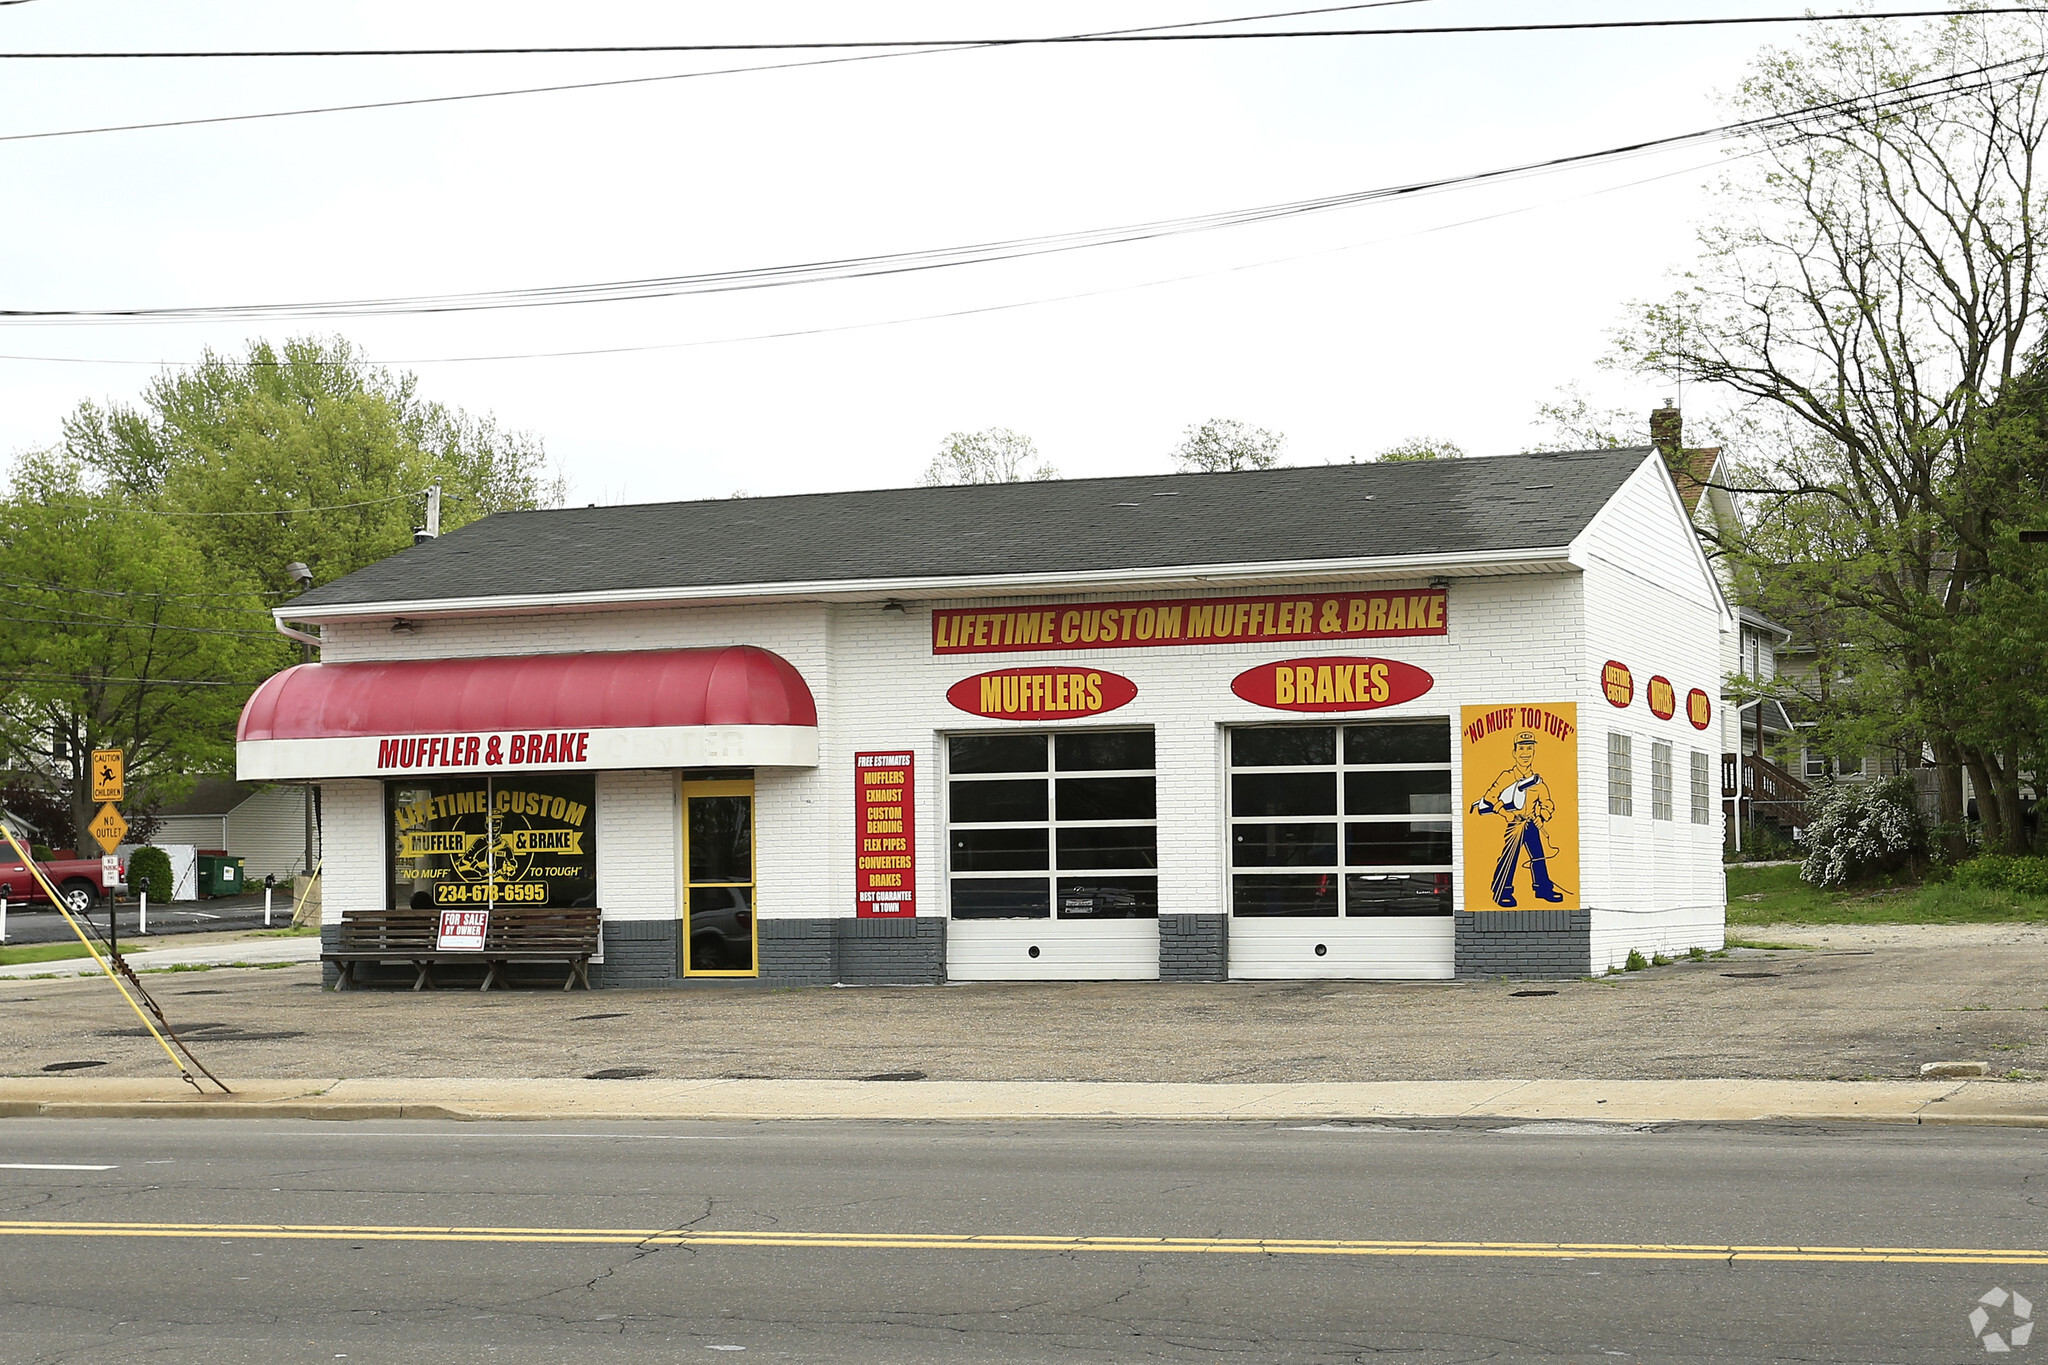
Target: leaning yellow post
<point>101,962</point>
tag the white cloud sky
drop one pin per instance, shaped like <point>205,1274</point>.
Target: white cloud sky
<point>1453,315</point>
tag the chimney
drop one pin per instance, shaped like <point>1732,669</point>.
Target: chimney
<point>1667,428</point>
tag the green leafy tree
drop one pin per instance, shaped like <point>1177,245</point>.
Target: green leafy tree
<point>1420,448</point>
<point>1221,445</point>
<point>140,558</point>
<point>997,455</point>
<point>1870,288</point>
<point>111,639</point>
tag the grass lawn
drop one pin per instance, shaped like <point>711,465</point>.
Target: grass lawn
<point>40,952</point>
<point>1775,895</point>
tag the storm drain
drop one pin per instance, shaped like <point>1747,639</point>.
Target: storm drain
<point>71,1066</point>
<point>1524,995</point>
<point>895,1076</point>
<point>620,1073</point>
<point>1751,976</point>
<point>581,1018</point>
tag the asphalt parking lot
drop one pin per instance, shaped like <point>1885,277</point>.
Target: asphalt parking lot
<point>39,923</point>
<point>1859,1002</point>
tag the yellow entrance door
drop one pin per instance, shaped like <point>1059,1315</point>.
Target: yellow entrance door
<point>718,879</point>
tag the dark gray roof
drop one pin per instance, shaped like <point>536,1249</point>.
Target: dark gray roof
<point>1421,508</point>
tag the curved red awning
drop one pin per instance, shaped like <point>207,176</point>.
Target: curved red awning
<point>641,689</point>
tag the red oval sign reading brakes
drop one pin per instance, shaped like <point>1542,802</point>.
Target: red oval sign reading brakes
<point>1049,693</point>
<point>1331,684</point>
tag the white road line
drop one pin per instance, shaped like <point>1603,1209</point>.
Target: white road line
<point>34,1166</point>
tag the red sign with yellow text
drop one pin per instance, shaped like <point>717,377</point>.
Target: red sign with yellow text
<point>1698,709</point>
<point>1050,693</point>
<point>885,825</point>
<point>1332,684</point>
<point>1189,621</point>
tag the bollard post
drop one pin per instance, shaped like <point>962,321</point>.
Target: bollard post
<point>143,927</point>
<point>266,907</point>
<point>3,919</point>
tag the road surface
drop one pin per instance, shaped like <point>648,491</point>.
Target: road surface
<point>423,1243</point>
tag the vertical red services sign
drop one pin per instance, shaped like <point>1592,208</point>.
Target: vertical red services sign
<point>885,860</point>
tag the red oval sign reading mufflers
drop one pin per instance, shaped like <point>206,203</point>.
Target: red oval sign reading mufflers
<point>1331,684</point>
<point>1663,697</point>
<point>1048,693</point>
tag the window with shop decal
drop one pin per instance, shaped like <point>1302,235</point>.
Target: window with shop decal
<point>1352,821</point>
<point>478,842</point>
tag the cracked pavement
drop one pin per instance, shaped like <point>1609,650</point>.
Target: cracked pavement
<point>238,1299</point>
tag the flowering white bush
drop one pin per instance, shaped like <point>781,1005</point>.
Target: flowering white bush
<point>1859,828</point>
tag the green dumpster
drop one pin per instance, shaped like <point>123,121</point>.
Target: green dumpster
<point>219,875</point>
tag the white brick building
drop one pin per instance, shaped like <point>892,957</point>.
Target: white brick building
<point>1414,720</point>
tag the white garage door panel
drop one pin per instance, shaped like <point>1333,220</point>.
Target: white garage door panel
<point>1376,949</point>
<point>1000,950</point>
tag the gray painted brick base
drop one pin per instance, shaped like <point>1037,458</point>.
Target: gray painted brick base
<point>891,952</point>
<point>1524,942</point>
<point>639,954</point>
<point>1194,947</point>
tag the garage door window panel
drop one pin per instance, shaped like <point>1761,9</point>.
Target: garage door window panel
<point>1084,817</point>
<point>1387,860</point>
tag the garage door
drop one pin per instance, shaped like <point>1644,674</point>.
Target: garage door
<point>1340,850</point>
<point>1052,848</point>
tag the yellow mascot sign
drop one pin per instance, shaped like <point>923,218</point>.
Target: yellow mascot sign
<point>1521,784</point>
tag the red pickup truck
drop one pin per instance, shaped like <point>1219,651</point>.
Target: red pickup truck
<point>77,880</point>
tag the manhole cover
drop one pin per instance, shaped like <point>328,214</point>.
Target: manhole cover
<point>620,1073</point>
<point>895,1076</point>
<point>1751,976</point>
<point>71,1066</point>
<point>1524,995</point>
<point>582,1017</point>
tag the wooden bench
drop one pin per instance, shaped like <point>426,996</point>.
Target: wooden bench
<point>517,933</point>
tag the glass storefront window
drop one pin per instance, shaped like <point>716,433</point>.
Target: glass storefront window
<point>1386,852</point>
<point>525,840</point>
<point>1077,811</point>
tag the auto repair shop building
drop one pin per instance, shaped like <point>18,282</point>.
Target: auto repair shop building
<point>1406,720</point>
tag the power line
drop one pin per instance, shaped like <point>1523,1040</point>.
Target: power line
<point>938,258</point>
<point>615,49</point>
<point>34,585</point>
<point>91,623</point>
<point>142,682</point>
<point>947,315</point>
<point>265,511</point>
<point>608,84</point>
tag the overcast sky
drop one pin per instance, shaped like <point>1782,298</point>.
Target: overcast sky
<point>1453,315</point>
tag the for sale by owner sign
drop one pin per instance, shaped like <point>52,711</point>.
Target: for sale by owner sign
<point>463,930</point>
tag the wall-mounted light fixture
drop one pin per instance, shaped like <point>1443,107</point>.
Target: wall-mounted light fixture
<point>1440,582</point>
<point>401,626</point>
<point>893,605</point>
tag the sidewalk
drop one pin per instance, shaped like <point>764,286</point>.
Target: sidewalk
<point>217,950</point>
<point>2013,1104</point>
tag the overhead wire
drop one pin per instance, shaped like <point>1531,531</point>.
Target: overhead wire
<point>825,45</point>
<point>1950,85</point>
<point>563,87</point>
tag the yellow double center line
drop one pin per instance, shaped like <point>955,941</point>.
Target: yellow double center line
<point>998,1241</point>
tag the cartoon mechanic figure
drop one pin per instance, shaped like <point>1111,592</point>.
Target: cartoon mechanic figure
<point>1521,795</point>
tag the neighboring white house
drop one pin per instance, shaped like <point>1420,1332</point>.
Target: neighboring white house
<point>262,824</point>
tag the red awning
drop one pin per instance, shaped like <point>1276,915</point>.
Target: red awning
<point>624,690</point>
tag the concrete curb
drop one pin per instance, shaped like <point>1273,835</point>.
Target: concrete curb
<point>1954,1103</point>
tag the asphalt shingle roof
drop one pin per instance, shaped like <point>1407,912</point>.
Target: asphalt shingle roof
<point>1420,508</point>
